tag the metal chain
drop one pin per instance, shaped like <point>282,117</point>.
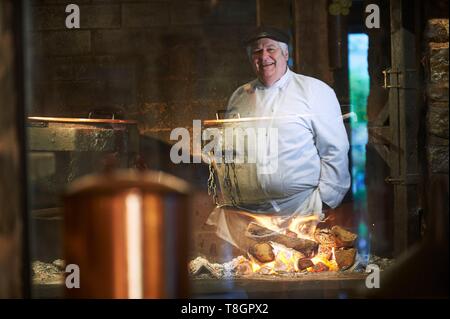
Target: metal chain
<point>212,187</point>
<point>236,183</point>
<point>227,183</point>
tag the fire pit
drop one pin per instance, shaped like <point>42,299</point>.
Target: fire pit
<point>324,249</point>
<point>306,260</point>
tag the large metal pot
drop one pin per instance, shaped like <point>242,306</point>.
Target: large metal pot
<point>128,233</point>
<point>238,181</point>
<point>63,149</point>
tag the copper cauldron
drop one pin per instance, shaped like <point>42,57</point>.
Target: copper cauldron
<point>127,231</point>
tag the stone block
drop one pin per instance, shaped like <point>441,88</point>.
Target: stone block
<point>219,13</point>
<point>100,16</point>
<point>53,68</point>
<point>66,98</point>
<point>236,13</point>
<point>154,65</point>
<point>154,116</point>
<point>438,159</point>
<point>437,118</point>
<point>143,15</point>
<point>167,90</point>
<point>223,62</point>
<point>438,62</point>
<point>190,12</point>
<point>437,30</point>
<point>91,17</point>
<point>62,43</point>
<point>214,88</point>
<point>437,93</point>
<point>437,141</point>
<point>107,68</point>
<point>126,42</point>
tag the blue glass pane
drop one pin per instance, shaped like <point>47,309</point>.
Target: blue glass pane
<point>358,45</point>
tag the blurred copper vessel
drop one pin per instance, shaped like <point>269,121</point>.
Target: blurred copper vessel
<point>128,233</point>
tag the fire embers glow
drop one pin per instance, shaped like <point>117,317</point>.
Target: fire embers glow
<point>288,260</point>
<point>300,247</point>
<point>284,259</point>
<point>275,247</point>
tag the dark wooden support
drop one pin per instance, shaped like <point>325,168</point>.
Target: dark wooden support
<point>14,263</point>
<point>404,124</point>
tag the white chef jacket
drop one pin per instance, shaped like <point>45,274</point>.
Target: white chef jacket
<point>312,141</point>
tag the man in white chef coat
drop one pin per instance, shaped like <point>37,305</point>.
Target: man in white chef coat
<point>312,150</point>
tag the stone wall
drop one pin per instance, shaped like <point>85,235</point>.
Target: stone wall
<point>162,62</point>
<point>435,61</point>
<point>436,68</point>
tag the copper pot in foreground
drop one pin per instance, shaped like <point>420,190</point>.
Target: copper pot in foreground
<point>127,231</point>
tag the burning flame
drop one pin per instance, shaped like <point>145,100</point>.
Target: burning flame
<point>286,259</point>
<point>303,226</point>
<point>331,264</point>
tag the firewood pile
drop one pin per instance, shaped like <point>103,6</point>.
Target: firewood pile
<point>328,248</point>
<point>333,248</point>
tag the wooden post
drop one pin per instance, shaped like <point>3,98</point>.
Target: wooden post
<point>14,263</point>
<point>404,124</point>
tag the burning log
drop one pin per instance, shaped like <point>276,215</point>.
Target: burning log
<point>325,237</point>
<point>291,234</point>
<point>320,267</point>
<point>344,238</point>
<point>262,234</point>
<point>345,258</point>
<point>304,263</point>
<point>263,252</point>
<point>325,252</point>
<point>335,237</point>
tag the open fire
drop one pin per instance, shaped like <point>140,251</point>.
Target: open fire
<point>304,245</point>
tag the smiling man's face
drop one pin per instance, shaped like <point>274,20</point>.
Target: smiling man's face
<point>268,60</point>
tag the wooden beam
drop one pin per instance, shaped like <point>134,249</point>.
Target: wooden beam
<point>404,123</point>
<point>380,135</point>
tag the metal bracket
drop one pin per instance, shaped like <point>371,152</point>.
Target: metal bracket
<point>385,76</point>
<point>237,115</point>
<point>387,85</point>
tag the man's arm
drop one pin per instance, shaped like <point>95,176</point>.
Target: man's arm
<point>332,145</point>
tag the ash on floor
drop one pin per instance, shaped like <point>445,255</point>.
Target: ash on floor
<point>48,273</point>
<point>201,268</point>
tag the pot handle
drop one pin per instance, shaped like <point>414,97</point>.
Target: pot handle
<point>218,112</point>
<point>105,114</point>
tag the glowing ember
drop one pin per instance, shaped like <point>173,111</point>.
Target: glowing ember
<point>287,259</point>
<point>271,255</point>
<point>331,264</point>
<point>301,226</point>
